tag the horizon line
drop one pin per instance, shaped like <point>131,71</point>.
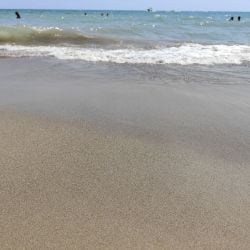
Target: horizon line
<point>156,10</point>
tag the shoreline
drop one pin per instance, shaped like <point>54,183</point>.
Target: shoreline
<point>92,157</point>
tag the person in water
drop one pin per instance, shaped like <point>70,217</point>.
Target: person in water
<point>18,16</point>
<point>231,19</point>
<point>239,18</point>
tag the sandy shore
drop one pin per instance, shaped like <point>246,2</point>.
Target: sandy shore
<point>163,181</point>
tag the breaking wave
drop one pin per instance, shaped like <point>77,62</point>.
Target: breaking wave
<point>21,41</point>
<point>24,35</point>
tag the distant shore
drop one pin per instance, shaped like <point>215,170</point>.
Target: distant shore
<point>106,156</point>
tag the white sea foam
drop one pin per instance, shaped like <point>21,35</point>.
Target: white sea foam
<point>185,54</point>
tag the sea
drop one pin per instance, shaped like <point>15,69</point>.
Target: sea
<point>132,37</point>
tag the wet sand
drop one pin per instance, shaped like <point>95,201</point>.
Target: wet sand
<point>92,158</point>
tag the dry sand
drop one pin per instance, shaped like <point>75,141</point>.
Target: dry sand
<point>65,187</point>
<point>176,178</point>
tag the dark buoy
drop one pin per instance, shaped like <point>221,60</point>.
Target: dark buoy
<point>18,16</point>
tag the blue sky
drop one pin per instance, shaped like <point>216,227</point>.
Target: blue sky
<point>227,5</point>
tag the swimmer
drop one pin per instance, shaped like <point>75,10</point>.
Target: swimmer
<point>18,16</point>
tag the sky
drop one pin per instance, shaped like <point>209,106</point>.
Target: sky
<point>205,5</point>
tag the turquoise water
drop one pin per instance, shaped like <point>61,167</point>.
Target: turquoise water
<point>127,36</point>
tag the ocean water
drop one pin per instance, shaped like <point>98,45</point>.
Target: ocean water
<point>138,37</point>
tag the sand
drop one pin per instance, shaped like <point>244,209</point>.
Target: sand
<point>75,179</point>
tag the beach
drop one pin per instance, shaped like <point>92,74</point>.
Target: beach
<point>123,156</point>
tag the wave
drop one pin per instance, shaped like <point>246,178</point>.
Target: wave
<point>24,35</point>
<point>185,54</point>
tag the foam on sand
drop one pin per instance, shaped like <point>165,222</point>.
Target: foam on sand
<point>185,54</point>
